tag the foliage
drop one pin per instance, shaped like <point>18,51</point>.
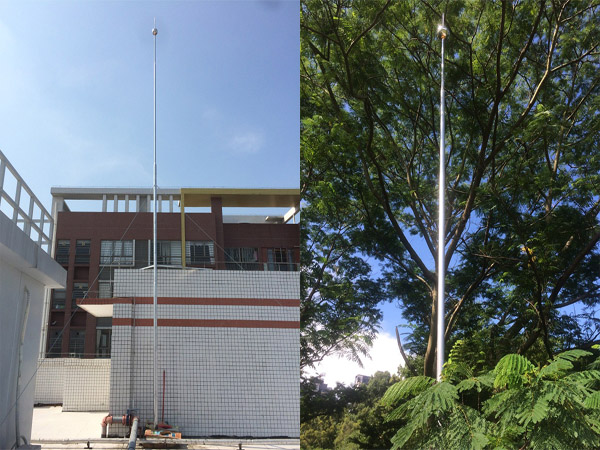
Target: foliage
<point>339,311</point>
<point>515,405</point>
<point>348,418</point>
<point>522,165</point>
<point>319,433</point>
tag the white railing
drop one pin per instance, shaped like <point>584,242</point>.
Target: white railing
<point>41,223</point>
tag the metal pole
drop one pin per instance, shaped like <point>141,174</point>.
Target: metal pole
<point>441,262</point>
<point>155,271</point>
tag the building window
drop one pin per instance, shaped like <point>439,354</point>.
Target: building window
<point>241,258</point>
<point>58,298</point>
<point>82,252</point>
<point>168,253</point>
<point>76,343</point>
<point>280,259</point>
<point>80,290</point>
<point>105,289</point>
<point>199,252</point>
<point>62,251</point>
<point>54,343</point>
<point>103,336</point>
<point>116,253</point>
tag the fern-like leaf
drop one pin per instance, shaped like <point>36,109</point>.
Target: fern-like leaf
<point>510,371</point>
<point>406,388</point>
<point>467,429</point>
<point>573,355</point>
<point>585,377</point>
<point>593,401</point>
<point>402,436</point>
<point>436,401</point>
<point>556,368</point>
<point>536,413</point>
<point>468,384</point>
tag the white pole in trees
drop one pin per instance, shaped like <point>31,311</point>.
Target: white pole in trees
<point>441,262</point>
<point>154,269</point>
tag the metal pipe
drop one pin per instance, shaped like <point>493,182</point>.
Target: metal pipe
<point>105,421</point>
<point>441,262</point>
<point>133,434</point>
<point>124,420</point>
<point>155,272</point>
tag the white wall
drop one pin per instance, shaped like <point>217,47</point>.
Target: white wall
<point>25,273</point>
<point>12,292</point>
<point>219,380</point>
<point>77,384</point>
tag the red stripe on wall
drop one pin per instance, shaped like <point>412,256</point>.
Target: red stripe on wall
<point>195,301</point>
<point>207,323</point>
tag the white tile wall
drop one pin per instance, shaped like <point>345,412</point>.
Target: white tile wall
<point>216,312</point>
<point>204,283</point>
<point>218,381</point>
<point>87,385</point>
<point>77,384</point>
<point>49,381</point>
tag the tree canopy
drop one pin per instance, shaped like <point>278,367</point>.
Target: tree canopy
<point>522,167</point>
<point>347,418</point>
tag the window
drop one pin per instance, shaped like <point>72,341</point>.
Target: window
<point>105,289</point>
<point>76,343</point>
<point>54,343</point>
<point>168,253</point>
<point>281,259</point>
<point>199,252</point>
<point>116,253</point>
<point>103,336</point>
<point>82,252</point>
<point>58,298</point>
<point>241,258</point>
<point>62,251</point>
<point>79,291</point>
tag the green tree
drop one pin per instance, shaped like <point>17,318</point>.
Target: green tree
<point>319,433</point>
<point>347,418</point>
<point>339,312</point>
<point>517,405</point>
<point>369,429</point>
<point>523,161</point>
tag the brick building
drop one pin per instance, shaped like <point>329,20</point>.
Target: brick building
<point>91,245</point>
<point>228,308</point>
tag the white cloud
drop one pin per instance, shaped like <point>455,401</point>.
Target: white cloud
<point>385,356</point>
<point>248,142</point>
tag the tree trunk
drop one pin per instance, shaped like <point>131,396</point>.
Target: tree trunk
<point>429,364</point>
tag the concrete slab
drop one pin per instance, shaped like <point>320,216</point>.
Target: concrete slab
<point>51,423</point>
<point>114,444</point>
<point>54,429</point>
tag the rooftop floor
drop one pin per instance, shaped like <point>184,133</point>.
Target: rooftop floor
<point>54,429</point>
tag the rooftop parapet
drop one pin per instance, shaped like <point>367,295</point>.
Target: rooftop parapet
<point>177,200</point>
<point>35,220</point>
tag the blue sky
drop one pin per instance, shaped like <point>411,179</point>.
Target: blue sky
<point>76,101</point>
<point>76,93</point>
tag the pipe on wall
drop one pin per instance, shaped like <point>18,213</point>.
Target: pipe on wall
<point>127,420</point>
<point>133,434</point>
<point>105,421</point>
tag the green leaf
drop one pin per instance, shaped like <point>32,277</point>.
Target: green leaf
<point>511,370</point>
<point>406,388</point>
<point>593,401</point>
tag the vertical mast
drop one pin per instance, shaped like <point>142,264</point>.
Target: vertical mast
<point>441,260</point>
<point>154,269</point>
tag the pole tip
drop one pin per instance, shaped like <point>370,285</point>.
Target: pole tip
<point>442,31</point>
